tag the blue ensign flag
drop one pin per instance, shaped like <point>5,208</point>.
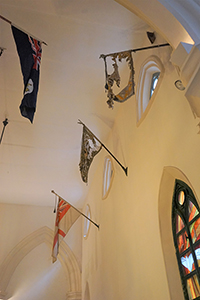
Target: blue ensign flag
<point>29,51</point>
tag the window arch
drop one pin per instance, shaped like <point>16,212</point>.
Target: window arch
<point>86,225</point>
<point>108,175</point>
<point>186,234</point>
<point>154,81</point>
<point>151,74</point>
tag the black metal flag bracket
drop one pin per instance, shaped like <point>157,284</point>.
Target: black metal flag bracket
<point>136,50</point>
<point>76,209</point>
<point>125,169</point>
<point>5,122</point>
<point>1,50</point>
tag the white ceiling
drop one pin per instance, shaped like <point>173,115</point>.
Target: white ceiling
<point>36,158</point>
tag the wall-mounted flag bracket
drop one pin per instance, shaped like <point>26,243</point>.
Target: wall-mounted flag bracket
<point>125,169</point>
<point>136,50</point>
<point>1,50</point>
<point>5,122</point>
<point>76,209</point>
<point>11,23</point>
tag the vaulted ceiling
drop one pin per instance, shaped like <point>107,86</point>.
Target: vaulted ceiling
<point>36,158</point>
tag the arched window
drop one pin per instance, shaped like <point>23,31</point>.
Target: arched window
<point>186,233</point>
<point>107,176</point>
<point>86,225</point>
<point>151,74</point>
<point>154,81</point>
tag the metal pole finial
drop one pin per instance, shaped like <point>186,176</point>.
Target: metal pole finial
<point>1,50</point>
<point>5,122</point>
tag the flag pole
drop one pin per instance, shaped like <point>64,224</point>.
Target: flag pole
<point>135,50</point>
<point>5,122</point>
<point>1,50</point>
<point>76,209</point>
<point>125,169</point>
<point>8,21</point>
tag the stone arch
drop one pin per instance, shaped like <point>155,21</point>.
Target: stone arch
<point>66,258</point>
<point>170,174</point>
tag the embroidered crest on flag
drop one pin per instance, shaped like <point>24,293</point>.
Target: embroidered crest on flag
<point>89,149</point>
<point>29,87</point>
<point>114,78</point>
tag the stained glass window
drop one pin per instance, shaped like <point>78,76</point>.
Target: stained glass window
<point>193,212</point>
<point>193,287</point>
<point>179,223</point>
<point>186,233</point>
<point>183,241</point>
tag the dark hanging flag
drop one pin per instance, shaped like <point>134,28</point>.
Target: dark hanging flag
<point>89,149</point>
<point>29,51</point>
<point>128,91</point>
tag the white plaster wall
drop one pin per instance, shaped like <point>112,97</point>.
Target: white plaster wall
<point>124,258</point>
<point>163,17</point>
<point>187,13</point>
<point>18,221</point>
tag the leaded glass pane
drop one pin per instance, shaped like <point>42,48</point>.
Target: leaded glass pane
<point>181,197</point>
<point>193,287</point>
<point>193,212</point>
<point>186,230</point>
<point>154,82</point>
<point>179,223</point>
<point>197,254</point>
<point>188,263</point>
<point>183,242</point>
<point>195,230</point>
